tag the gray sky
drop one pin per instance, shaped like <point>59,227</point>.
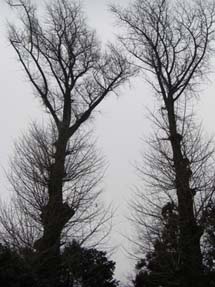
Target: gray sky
<point>120,122</point>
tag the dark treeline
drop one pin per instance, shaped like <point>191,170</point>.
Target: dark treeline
<point>51,230</point>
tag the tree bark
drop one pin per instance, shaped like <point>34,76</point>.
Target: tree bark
<point>190,232</point>
<point>54,216</point>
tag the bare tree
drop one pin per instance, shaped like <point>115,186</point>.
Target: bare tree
<point>172,41</point>
<point>154,208</point>
<point>29,177</point>
<point>22,219</point>
<point>71,76</point>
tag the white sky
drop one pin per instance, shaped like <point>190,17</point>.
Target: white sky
<point>120,122</point>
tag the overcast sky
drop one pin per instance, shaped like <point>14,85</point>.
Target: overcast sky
<point>120,122</point>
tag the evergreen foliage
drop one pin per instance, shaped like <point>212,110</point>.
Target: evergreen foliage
<point>80,266</point>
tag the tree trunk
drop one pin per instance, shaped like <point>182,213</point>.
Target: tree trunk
<point>190,232</point>
<point>54,217</point>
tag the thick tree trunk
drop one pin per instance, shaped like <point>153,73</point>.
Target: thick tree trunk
<point>190,232</point>
<point>54,217</point>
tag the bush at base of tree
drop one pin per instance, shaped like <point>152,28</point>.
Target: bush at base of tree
<point>79,267</point>
<point>14,270</point>
<point>88,267</point>
<point>161,266</point>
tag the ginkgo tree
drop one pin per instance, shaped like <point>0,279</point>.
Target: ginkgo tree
<point>71,76</point>
<point>171,43</point>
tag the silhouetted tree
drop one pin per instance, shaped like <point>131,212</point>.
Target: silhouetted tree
<point>29,176</point>
<point>71,76</point>
<point>14,269</point>
<point>161,265</point>
<point>87,267</point>
<point>208,244</point>
<point>21,221</point>
<point>172,41</point>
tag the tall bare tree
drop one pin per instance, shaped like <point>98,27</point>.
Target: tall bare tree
<point>71,76</point>
<point>172,41</point>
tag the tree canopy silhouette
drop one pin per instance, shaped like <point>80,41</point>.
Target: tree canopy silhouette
<point>171,43</point>
<point>71,76</point>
